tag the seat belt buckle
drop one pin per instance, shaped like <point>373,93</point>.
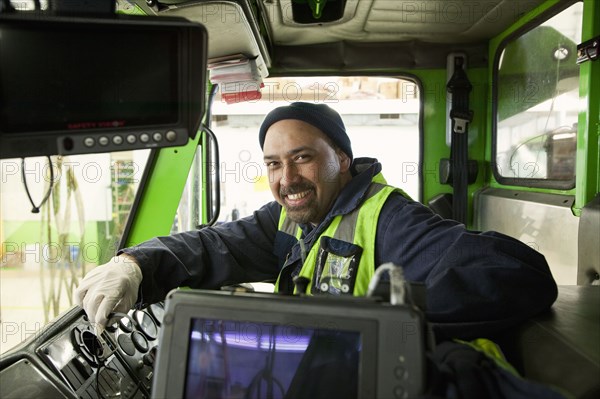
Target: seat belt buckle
<point>461,120</point>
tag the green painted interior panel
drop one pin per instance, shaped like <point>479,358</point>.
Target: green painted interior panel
<point>434,129</point>
<point>588,136</point>
<point>162,193</point>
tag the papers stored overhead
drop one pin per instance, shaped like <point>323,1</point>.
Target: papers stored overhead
<point>237,76</point>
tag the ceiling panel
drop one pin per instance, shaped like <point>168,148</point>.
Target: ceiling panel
<point>433,21</point>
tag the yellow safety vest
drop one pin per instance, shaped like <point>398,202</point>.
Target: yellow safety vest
<point>342,258</point>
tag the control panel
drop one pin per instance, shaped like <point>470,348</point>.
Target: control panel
<point>82,143</point>
<point>69,360</point>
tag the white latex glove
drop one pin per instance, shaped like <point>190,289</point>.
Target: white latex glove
<point>112,287</point>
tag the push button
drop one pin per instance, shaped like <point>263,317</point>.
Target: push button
<point>125,324</point>
<point>399,392</point>
<point>126,344</point>
<point>89,141</point>
<point>171,135</point>
<point>399,372</point>
<point>139,341</point>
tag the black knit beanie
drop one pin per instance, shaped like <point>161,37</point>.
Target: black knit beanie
<point>320,116</point>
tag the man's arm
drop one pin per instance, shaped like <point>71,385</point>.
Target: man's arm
<point>240,251</point>
<point>485,280</point>
<point>235,252</point>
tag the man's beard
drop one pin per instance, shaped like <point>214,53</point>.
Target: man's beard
<point>302,214</point>
<point>305,213</point>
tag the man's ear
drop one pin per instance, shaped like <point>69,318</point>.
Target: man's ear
<point>345,161</point>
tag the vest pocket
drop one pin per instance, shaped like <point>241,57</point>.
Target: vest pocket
<point>336,267</point>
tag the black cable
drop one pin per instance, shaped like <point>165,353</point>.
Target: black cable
<point>271,361</point>
<point>266,373</point>
<point>36,209</point>
<point>102,365</point>
<point>225,354</point>
<point>113,316</point>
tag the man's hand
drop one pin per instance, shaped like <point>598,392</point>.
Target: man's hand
<point>112,287</point>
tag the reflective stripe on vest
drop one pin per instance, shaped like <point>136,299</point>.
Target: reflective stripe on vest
<point>287,226</point>
<point>358,227</point>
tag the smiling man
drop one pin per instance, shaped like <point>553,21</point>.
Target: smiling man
<point>307,170</point>
<point>334,221</point>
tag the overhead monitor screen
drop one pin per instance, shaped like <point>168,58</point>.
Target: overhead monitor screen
<point>83,83</point>
<point>71,85</point>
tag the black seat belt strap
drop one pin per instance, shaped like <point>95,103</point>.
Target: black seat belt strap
<point>461,116</point>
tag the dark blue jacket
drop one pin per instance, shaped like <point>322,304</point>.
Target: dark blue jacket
<point>475,282</point>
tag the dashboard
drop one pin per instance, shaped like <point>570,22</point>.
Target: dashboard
<point>68,360</point>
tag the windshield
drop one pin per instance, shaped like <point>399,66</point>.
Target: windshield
<point>79,226</point>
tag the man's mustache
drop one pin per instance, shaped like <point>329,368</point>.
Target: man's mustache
<point>295,189</point>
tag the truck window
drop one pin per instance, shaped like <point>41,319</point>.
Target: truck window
<point>537,82</point>
<point>43,255</point>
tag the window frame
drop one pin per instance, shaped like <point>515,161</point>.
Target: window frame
<point>519,32</point>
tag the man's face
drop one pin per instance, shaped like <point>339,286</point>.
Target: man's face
<point>306,173</point>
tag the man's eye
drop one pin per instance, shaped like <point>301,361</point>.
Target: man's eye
<point>271,164</point>
<point>302,158</point>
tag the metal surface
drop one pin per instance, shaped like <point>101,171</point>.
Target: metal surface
<point>561,347</point>
<point>543,221</point>
<point>589,244</point>
<point>24,380</point>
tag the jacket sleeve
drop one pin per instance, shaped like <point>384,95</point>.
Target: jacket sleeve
<point>476,282</point>
<point>234,252</point>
